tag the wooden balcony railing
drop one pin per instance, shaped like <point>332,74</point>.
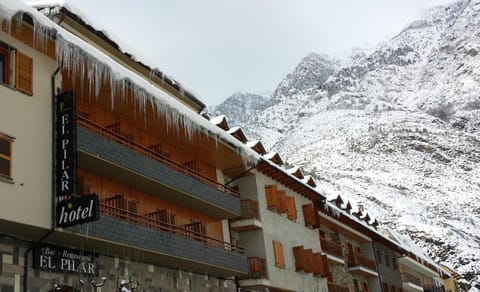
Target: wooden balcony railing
<point>249,210</point>
<point>361,260</point>
<point>331,248</point>
<point>406,277</point>
<point>332,287</point>
<point>151,222</point>
<point>125,141</point>
<point>257,269</point>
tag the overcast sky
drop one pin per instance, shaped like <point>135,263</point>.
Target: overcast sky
<point>218,47</point>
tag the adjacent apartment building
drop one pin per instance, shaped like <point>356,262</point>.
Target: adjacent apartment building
<point>112,180</point>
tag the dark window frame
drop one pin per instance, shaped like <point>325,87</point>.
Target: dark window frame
<point>7,156</point>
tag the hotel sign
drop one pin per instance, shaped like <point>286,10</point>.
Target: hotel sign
<point>66,137</point>
<point>77,210</point>
<point>64,260</point>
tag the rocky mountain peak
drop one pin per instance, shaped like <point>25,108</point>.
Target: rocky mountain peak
<point>308,75</point>
<point>396,128</point>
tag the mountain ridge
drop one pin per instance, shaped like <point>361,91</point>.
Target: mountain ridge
<point>397,125</point>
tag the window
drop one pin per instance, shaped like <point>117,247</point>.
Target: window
<point>379,256</point>
<point>4,65</point>
<point>394,263</point>
<point>387,260</point>
<point>278,252</point>
<point>16,69</point>
<point>5,156</point>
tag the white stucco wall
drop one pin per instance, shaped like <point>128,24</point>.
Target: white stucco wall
<point>28,119</point>
<point>290,233</point>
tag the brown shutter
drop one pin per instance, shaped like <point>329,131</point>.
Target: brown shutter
<point>282,206</point>
<point>308,261</point>
<point>278,252</point>
<point>291,208</point>
<point>24,73</point>
<point>310,215</point>
<point>298,254</point>
<point>271,193</point>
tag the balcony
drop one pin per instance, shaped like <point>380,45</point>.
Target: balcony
<point>118,230</point>
<point>249,219</point>
<point>257,273</point>
<point>333,251</point>
<point>336,288</point>
<point>362,265</point>
<point>111,153</point>
<point>410,283</point>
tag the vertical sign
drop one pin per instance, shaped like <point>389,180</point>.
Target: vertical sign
<point>66,136</point>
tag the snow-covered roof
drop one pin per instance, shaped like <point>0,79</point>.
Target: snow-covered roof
<point>78,56</point>
<point>123,45</point>
<point>296,171</point>
<point>257,146</point>
<point>238,133</point>
<point>218,120</point>
<point>407,243</point>
<point>308,179</point>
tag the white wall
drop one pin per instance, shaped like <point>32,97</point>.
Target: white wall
<point>28,119</point>
<point>290,233</point>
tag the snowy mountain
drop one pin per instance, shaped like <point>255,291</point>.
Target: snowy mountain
<point>396,129</point>
<point>240,107</point>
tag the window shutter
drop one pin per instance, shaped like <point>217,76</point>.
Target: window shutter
<point>282,206</point>
<point>291,209</point>
<point>24,73</point>
<point>278,252</point>
<point>308,261</point>
<point>299,258</point>
<point>310,215</point>
<point>271,193</point>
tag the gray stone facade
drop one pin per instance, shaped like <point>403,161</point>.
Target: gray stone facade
<point>163,242</point>
<point>152,278</point>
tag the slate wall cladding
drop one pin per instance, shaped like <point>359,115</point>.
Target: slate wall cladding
<point>163,242</point>
<point>152,278</point>
<point>120,155</point>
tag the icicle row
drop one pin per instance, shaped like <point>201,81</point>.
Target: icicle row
<point>77,62</point>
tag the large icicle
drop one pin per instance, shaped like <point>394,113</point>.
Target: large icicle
<point>76,56</point>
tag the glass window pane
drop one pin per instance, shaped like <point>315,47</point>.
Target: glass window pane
<point>4,167</point>
<point>4,147</point>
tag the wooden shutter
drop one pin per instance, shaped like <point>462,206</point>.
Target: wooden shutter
<point>278,252</point>
<point>298,254</point>
<point>291,209</point>
<point>308,261</point>
<point>310,215</point>
<point>24,73</point>
<point>271,193</point>
<point>282,204</point>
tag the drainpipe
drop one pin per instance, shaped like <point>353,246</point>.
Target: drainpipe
<point>52,228</point>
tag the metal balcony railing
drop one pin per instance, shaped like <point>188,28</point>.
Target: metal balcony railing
<point>257,269</point>
<point>331,248</point>
<point>162,226</point>
<point>129,143</point>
